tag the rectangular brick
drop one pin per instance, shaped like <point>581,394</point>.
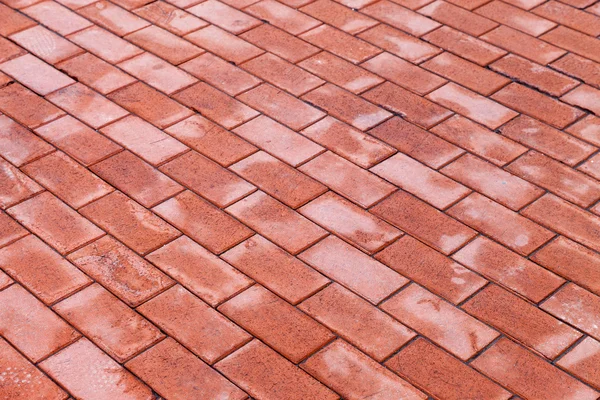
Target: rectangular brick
<point>19,145</point>
<point>525,4</point>
<point>471,105</point>
<point>68,180</point>
<point>336,15</point>
<point>501,186</point>
<point>404,73</point>
<point>275,269</point>
<point>137,179</point>
<point>528,375</point>
<point>522,321</point>
<point>113,18</point>
<point>169,17</point>
<point>164,44</point>
<point>108,322</point>
<point>282,16</point>
<point>524,45</point>
<point>282,107</point>
<point>195,324</point>
<point>279,140</point>
<point>478,140</point>
<point>5,281</point>
<point>55,222</point>
<point>224,16</point>
<point>203,222</point>
<point>26,107</point>
<point>424,222</point>
<point>353,269</point>
<point>340,72</point>
<point>84,370</point>
<point>120,270</point>
<point>87,105</point>
<point>401,18</point>
<point>36,74</point>
<point>216,105</point>
<point>458,18</point>
<point>30,326</point>
<point>537,105</point>
<point>585,97</point>
<point>425,183</point>
<point>545,139</point>
<point>8,49</point>
<point>507,227</point>
<point>276,178</point>
<point>347,179</point>
<point>515,18</point>
<point>150,105</point>
<point>96,73</point>
<point>289,331</point>
<point>431,269</point>
<point>280,43</point>
<point>61,47</point>
<point>587,129</point>
<point>157,73</point>
<point>579,67</point>
<point>220,74</point>
<point>24,380</point>
<point>350,222</point>
<point>104,44</point>
<point>277,222</point>
<point>15,186</point>
<point>350,143</point>
<point>542,78</point>
<point>347,107</point>
<point>582,361</point>
<point>201,272</point>
<point>466,73</point>
<point>129,222</point>
<point>223,44</point>
<point>571,260</point>
<point>357,321</point>
<point>408,105</point>
<point>464,46</point>
<point>265,374</point>
<point>343,45</point>
<point>591,166</point>
<point>577,307</point>
<point>442,375</point>
<point>10,230</point>
<point>416,142</point>
<point>566,219</point>
<point>361,375</point>
<point>208,179</point>
<point>13,21</point>
<point>168,364</point>
<point>77,140</point>
<point>74,4</point>
<point>570,16</point>
<point>41,270</point>
<point>450,327</point>
<point>399,43</point>
<point>282,74</point>
<point>211,140</point>
<point>557,178</point>
<point>508,269</point>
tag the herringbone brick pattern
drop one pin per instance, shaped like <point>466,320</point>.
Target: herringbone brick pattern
<point>299,199</point>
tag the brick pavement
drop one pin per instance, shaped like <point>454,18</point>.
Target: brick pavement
<point>298,199</point>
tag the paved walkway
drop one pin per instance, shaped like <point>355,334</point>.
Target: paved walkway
<point>297,199</point>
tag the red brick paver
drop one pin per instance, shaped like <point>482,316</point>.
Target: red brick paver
<point>299,199</point>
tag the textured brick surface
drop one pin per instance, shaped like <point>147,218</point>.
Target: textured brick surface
<point>300,199</point>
